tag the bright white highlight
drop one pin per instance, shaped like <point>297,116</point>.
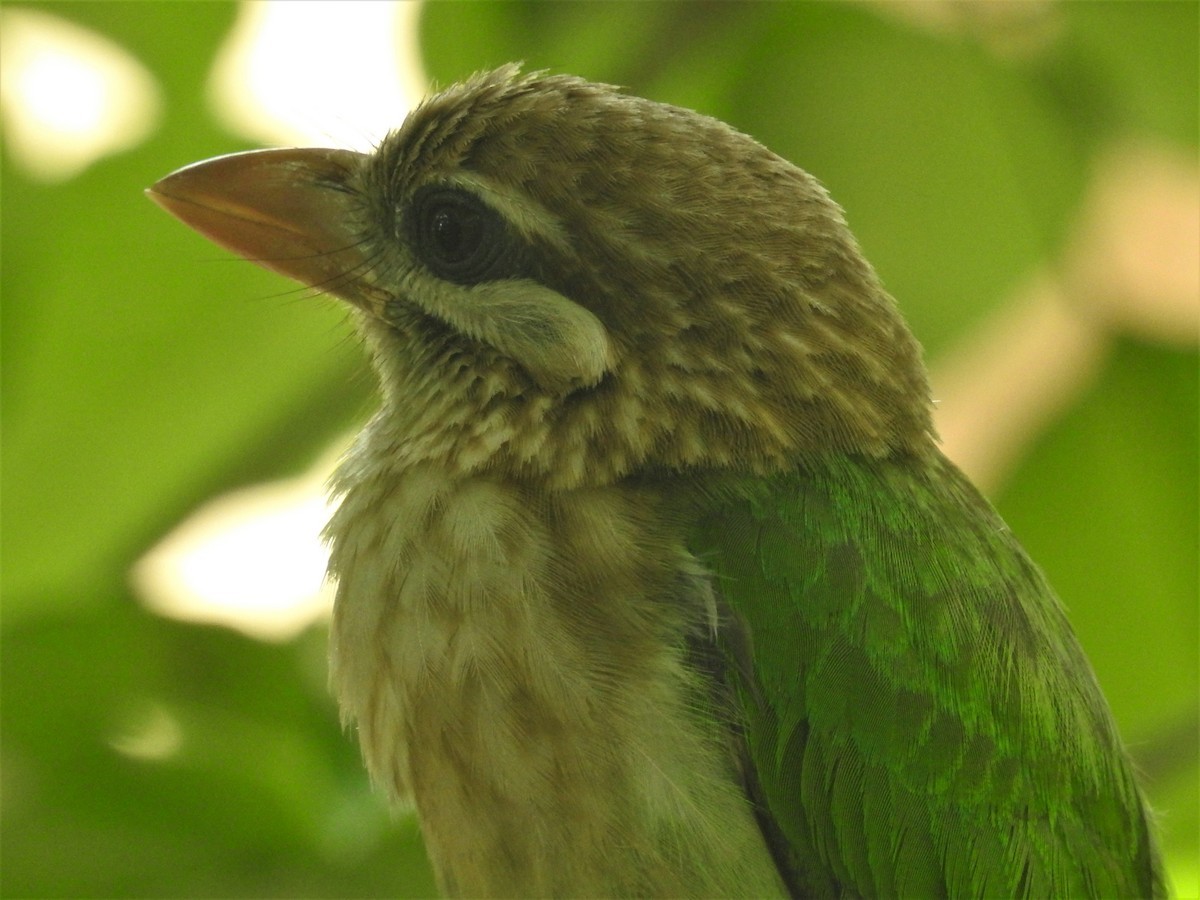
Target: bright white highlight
<point>251,560</point>
<point>69,96</point>
<point>337,74</point>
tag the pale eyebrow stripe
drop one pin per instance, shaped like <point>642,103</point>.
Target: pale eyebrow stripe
<point>528,217</point>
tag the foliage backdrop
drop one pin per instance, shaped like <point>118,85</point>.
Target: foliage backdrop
<point>141,377</point>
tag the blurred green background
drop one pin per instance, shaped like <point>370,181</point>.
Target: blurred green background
<point>145,372</point>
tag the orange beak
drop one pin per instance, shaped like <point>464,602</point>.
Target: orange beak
<point>290,211</point>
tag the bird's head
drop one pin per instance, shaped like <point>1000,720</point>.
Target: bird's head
<point>561,282</point>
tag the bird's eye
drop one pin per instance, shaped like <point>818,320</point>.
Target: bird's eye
<point>457,236</point>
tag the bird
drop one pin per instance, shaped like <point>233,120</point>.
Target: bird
<point>652,578</point>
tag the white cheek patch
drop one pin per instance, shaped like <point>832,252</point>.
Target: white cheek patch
<point>560,343</point>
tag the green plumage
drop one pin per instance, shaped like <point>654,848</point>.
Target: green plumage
<point>923,722</point>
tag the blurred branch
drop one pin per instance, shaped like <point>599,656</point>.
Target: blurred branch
<point>1131,264</point>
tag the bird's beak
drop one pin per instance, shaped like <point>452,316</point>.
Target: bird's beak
<point>290,211</point>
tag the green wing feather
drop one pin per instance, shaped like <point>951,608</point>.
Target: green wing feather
<point>924,722</point>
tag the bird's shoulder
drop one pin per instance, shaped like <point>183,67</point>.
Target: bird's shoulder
<point>923,720</point>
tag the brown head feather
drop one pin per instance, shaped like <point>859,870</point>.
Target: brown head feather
<point>703,304</point>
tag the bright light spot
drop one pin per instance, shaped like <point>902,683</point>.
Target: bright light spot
<point>338,73</point>
<point>251,560</point>
<point>152,736</point>
<point>68,96</point>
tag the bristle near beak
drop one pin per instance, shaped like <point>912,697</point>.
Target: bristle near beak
<point>290,211</point>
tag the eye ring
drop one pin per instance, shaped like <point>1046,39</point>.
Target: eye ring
<point>457,236</point>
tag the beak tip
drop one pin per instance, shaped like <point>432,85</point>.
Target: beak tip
<point>160,198</point>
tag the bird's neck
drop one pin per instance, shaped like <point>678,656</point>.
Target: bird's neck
<point>516,663</point>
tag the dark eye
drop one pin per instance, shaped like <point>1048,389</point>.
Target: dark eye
<point>458,237</point>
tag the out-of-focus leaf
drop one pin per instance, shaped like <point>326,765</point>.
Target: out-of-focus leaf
<point>1142,61</point>
<point>262,796</point>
